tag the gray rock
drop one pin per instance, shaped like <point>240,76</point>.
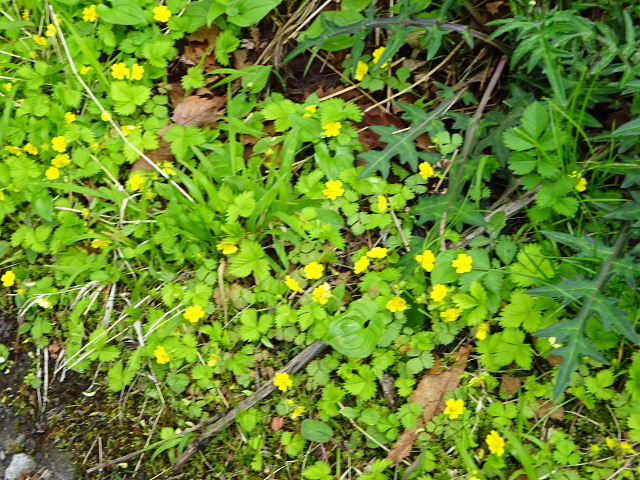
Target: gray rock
<point>19,462</point>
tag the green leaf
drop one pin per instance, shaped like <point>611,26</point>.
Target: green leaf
<point>362,384</point>
<point>243,206</point>
<point>122,12</point>
<point>521,312</point>
<point>182,138</point>
<point>251,260</point>
<point>177,382</point>
<point>401,142</point>
<point>318,471</point>
<point>246,13</point>
<point>513,348</point>
<point>226,43</point>
<point>577,346</point>
<point>316,431</point>
<point>127,97</point>
<point>598,386</point>
<point>356,332</point>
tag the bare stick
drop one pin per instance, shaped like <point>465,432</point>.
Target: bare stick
<point>263,392</point>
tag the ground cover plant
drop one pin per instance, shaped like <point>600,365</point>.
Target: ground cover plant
<point>338,240</point>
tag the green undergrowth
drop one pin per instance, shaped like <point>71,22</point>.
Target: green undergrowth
<point>186,282</point>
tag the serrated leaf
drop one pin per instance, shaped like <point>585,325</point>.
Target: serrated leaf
<point>250,261</point>
<point>362,384</point>
<point>127,97</point>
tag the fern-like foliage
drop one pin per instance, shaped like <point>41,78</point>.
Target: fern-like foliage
<point>595,302</point>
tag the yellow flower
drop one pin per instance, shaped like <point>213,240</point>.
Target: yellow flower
<point>213,359</point>
<point>361,70</point>
<point>40,40</point>
<point>90,14</point>
<point>382,203</point>
<point>462,264</point>
<point>292,284</point>
<point>120,71</point>
<point>427,260</point>
<point>581,186</point>
<point>377,252</point>
<point>8,279</point>
<point>483,331</point>
<point>32,149</point>
<point>322,294</point>
<point>84,70</point>
<point>13,150</point>
<point>377,53</point>
<point>333,189</point>
<point>626,447</point>
<point>161,355</point>
<point>137,71</point>
<point>227,248</point>
<point>297,412</point>
<point>136,182</point>
<point>611,443</point>
<point>100,243</point>
<point>106,116</point>
<point>86,212</point>
<point>69,118</point>
<point>52,173</point>
<point>310,109</point>
<point>194,313</point>
<point>21,291</point>
<point>314,271</point>
<point>361,265</point>
<point>397,304</point>
<point>332,129</point>
<point>161,13</point>
<point>455,408</point>
<point>426,170</point>
<point>283,381</point>
<point>496,443</point>
<point>439,292</point>
<point>167,167</point>
<point>2,197</point>
<point>44,303</point>
<point>8,86</point>
<point>61,160</point>
<point>59,144</point>
<point>51,30</point>
<point>451,314</point>
<point>128,129</point>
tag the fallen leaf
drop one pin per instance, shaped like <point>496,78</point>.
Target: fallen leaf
<point>548,408</point>
<point>430,393</point>
<point>509,384</point>
<point>198,111</point>
<point>277,423</point>
<point>493,7</point>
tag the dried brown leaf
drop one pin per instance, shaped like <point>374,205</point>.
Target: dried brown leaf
<point>198,111</point>
<point>277,423</point>
<point>493,7</point>
<point>509,384</point>
<point>430,393</point>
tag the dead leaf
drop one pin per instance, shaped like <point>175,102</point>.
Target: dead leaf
<point>198,111</point>
<point>554,360</point>
<point>548,408</point>
<point>510,385</point>
<point>277,423</point>
<point>493,7</point>
<point>430,393</point>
